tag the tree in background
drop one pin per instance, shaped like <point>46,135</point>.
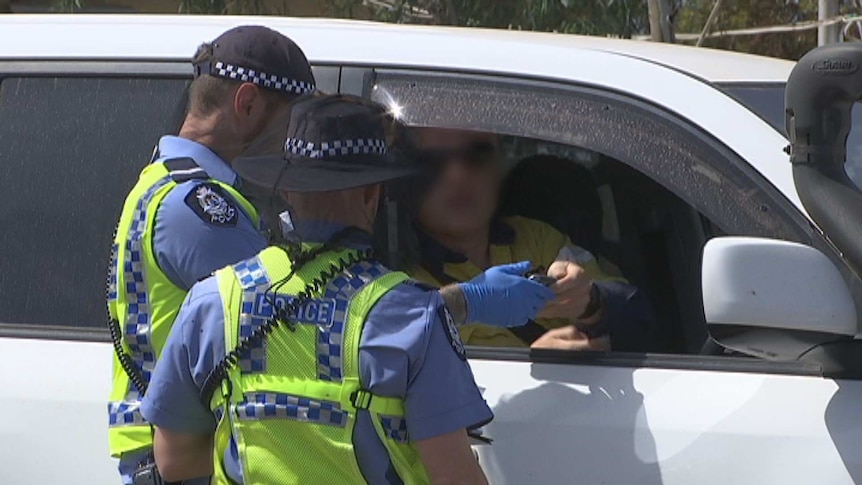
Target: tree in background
<point>744,14</point>
<point>233,7</point>
<point>615,18</point>
<point>66,6</point>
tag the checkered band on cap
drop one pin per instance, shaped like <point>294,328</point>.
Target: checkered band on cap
<point>359,146</point>
<point>279,83</point>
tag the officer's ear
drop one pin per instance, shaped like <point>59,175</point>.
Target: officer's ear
<point>249,103</point>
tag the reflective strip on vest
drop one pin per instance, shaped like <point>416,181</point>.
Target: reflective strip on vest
<point>331,338</point>
<point>141,297</point>
<point>395,427</point>
<point>125,413</point>
<point>252,276</point>
<point>137,326</point>
<point>285,406</point>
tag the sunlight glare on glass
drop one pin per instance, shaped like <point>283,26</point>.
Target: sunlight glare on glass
<point>396,110</point>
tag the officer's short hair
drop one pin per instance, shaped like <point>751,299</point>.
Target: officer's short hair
<point>207,93</point>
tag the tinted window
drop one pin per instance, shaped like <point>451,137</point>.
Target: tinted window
<point>768,102</point>
<point>70,148</point>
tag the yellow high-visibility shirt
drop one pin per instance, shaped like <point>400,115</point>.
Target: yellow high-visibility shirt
<point>512,239</point>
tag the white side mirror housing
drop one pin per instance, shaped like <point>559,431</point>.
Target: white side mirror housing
<point>753,287</point>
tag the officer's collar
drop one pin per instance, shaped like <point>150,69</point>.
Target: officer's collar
<point>176,147</point>
<point>316,231</point>
<point>435,256</point>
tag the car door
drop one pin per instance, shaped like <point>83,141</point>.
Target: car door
<point>673,417</point>
<point>73,137</point>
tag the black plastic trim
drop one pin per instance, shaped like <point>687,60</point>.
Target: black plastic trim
<point>727,87</point>
<point>54,332</point>
<point>648,361</point>
<point>99,68</point>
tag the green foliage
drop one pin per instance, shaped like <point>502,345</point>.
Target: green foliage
<point>618,18</point>
<point>67,6</point>
<point>232,7</point>
<point>745,14</point>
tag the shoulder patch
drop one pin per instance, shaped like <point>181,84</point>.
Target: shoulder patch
<point>452,332</point>
<point>210,203</point>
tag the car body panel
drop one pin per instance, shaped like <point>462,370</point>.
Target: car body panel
<point>54,412</point>
<point>591,424</point>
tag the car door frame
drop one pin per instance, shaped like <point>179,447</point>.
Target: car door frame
<point>328,75</point>
<point>519,106</point>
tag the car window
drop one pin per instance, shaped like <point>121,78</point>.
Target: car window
<point>667,186</point>
<point>71,149</point>
<point>767,101</point>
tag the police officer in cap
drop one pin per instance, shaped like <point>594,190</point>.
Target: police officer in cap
<point>311,362</point>
<point>186,217</point>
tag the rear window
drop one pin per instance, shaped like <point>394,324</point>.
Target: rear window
<point>767,101</point>
<point>70,149</point>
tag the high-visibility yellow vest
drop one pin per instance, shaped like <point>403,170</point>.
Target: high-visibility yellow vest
<point>291,403</point>
<point>141,297</point>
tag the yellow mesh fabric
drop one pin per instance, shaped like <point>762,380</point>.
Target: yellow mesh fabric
<point>163,298</point>
<point>404,456</point>
<point>288,442</point>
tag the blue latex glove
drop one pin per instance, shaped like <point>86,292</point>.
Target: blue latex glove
<point>503,297</point>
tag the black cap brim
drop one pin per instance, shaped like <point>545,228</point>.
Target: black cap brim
<point>311,175</point>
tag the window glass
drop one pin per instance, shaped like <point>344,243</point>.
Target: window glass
<point>663,187</point>
<point>70,149</point>
<point>768,102</point>
<point>700,171</point>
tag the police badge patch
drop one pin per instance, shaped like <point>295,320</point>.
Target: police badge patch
<point>452,332</point>
<point>210,203</point>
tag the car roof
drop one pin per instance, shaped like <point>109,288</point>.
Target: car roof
<point>177,36</point>
<point>670,77</point>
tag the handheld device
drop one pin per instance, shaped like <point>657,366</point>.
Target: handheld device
<point>542,279</point>
<point>147,475</point>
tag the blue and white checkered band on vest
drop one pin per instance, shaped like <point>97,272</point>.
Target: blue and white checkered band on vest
<point>359,146</point>
<point>271,81</point>
<point>327,312</point>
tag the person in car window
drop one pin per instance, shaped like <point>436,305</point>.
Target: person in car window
<point>186,217</point>
<point>459,236</point>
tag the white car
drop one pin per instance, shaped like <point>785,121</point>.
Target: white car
<point>684,146</point>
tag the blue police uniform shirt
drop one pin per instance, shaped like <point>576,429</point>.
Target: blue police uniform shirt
<point>405,351</point>
<point>189,245</point>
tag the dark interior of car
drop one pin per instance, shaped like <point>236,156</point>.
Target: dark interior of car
<point>637,229</point>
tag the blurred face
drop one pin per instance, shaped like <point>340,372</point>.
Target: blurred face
<point>464,197</point>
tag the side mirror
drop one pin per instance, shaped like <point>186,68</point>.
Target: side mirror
<point>773,299</point>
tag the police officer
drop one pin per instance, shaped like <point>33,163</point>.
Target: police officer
<point>185,217</point>
<point>338,370</point>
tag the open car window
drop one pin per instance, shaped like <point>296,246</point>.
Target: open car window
<point>664,187</point>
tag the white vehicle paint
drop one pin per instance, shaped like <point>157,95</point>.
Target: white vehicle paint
<point>580,422</point>
<point>586,424</point>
